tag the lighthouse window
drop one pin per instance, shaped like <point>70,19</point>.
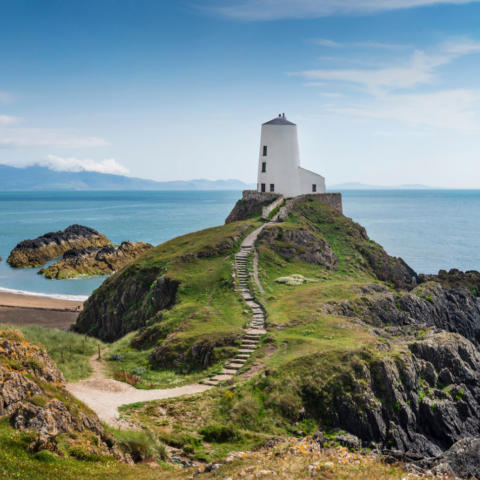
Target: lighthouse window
<point>264,167</point>
<point>264,150</point>
<point>272,187</point>
<point>314,188</point>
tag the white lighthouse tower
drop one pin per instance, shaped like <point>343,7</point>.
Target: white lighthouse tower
<point>279,169</point>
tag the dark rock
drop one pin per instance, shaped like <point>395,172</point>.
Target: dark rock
<point>300,244</point>
<point>319,437</point>
<point>456,279</point>
<point>462,459</point>
<point>389,401</point>
<point>91,261</point>
<point>348,440</point>
<point>199,355</point>
<point>109,315</point>
<point>36,252</point>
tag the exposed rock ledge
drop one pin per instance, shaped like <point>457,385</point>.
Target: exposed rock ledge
<point>33,396</point>
<point>92,261</point>
<point>35,253</point>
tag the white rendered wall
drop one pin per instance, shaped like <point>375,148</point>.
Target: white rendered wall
<point>308,178</point>
<point>282,160</point>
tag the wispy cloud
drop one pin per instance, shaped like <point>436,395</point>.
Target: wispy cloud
<point>73,164</point>
<point>43,137</point>
<point>419,69</point>
<point>450,109</point>
<point>6,120</point>
<point>326,42</point>
<point>255,10</point>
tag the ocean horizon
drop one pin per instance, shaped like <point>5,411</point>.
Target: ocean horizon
<point>430,229</point>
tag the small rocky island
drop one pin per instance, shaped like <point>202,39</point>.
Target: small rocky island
<point>36,252</point>
<point>91,261</point>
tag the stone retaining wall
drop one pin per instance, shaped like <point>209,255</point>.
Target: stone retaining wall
<point>332,199</point>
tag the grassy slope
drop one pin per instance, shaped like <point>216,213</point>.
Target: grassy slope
<point>206,307</point>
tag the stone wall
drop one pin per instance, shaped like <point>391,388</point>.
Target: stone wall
<point>258,196</point>
<point>332,199</point>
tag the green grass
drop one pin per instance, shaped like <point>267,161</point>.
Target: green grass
<point>134,361</point>
<point>18,464</point>
<point>70,351</point>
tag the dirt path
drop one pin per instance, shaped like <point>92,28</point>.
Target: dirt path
<point>104,395</point>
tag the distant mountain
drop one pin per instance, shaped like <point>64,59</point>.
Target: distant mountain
<point>364,186</point>
<point>42,178</point>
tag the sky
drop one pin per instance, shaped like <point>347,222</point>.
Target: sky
<point>384,92</point>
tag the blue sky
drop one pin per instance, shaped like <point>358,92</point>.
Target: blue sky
<point>383,92</point>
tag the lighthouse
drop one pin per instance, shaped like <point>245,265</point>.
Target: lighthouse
<point>279,169</point>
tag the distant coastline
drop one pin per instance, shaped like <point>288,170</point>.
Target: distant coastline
<point>36,178</point>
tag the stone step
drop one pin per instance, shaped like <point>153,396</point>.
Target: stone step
<point>249,341</point>
<point>234,366</point>
<point>212,383</point>
<point>242,355</point>
<point>245,350</point>
<point>239,360</point>
<point>248,346</point>
<point>226,371</point>
<point>222,377</point>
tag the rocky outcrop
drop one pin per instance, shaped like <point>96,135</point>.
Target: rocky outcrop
<point>300,244</point>
<point>250,205</point>
<point>429,306</point>
<point>109,315</point>
<point>91,261</point>
<point>172,354</point>
<point>456,279</point>
<point>35,253</point>
<point>33,396</point>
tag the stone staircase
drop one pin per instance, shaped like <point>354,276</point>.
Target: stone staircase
<point>256,327</point>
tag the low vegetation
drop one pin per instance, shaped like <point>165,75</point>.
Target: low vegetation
<point>70,351</point>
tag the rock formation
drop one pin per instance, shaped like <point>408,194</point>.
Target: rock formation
<point>92,261</point>
<point>35,253</point>
<point>33,396</point>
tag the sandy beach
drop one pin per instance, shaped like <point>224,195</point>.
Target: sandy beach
<point>20,310</point>
<point>31,301</point>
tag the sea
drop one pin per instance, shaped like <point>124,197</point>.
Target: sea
<point>429,229</point>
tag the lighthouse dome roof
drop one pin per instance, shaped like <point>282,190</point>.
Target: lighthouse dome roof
<point>280,120</point>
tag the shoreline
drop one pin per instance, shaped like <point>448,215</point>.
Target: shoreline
<point>37,302</point>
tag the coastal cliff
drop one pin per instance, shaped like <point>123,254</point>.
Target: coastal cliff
<point>91,261</point>
<point>36,252</point>
<point>363,348</point>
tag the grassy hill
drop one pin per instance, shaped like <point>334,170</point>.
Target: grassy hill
<point>357,346</point>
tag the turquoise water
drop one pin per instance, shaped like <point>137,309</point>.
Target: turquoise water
<point>430,229</point>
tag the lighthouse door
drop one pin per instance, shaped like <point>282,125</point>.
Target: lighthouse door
<point>263,187</point>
